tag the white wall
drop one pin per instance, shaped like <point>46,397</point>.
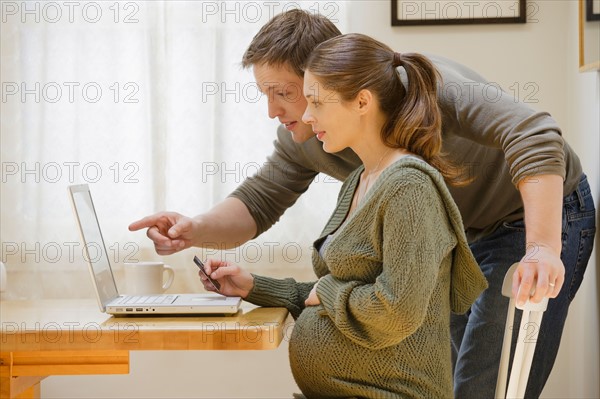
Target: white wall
<point>576,372</point>
<point>539,59</point>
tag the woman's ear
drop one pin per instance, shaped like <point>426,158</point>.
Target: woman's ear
<point>363,101</point>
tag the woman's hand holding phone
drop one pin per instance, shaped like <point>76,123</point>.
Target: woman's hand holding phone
<point>225,278</point>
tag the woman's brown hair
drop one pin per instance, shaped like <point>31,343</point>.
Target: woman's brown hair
<point>350,63</point>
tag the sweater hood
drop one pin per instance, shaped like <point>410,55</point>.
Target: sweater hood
<point>467,281</point>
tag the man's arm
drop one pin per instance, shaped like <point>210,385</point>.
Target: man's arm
<point>255,205</point>
<point>534,151</point>
<point>542,199</point>
<point>252,208</point>
<point>227,225</point>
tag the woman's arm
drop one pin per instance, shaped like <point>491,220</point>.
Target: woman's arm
<point>259,290</point>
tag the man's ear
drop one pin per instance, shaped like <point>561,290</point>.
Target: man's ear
<point>363,101</point>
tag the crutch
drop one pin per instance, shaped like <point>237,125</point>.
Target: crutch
<point>521,365</point>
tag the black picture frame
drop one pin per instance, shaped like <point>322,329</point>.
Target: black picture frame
<point>590,15</point>
<point>446,19</point>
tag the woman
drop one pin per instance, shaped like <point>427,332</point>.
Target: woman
<point>393,260</point>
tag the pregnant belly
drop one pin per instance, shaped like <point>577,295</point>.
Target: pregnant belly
<point>326,363</point>
<point>322,359</point>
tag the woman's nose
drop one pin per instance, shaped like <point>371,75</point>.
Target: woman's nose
<point>307,117</point>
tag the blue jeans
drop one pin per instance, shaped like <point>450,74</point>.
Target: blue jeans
<point>477,335</point>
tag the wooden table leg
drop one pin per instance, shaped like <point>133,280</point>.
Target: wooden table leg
<point>20,387</point>
<point>13,386</point>
<point>22,372</point>
<point>33,392</point>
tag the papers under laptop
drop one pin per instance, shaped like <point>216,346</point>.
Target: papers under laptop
<point>104,282</point>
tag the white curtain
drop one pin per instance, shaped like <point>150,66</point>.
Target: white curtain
<point>147,103</point>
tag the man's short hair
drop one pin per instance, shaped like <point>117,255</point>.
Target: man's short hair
<point>289,38</point>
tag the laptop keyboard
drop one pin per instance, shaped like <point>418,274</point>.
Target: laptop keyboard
<point>147,300</point>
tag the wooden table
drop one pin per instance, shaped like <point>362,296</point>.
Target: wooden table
<point>72,337</point>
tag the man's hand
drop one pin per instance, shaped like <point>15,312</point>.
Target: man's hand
<point>233,279</point>
<point>540,271</point>
<point>170,231</point>
<point>228,224</point>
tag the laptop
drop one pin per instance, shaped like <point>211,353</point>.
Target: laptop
<point>109,299</point>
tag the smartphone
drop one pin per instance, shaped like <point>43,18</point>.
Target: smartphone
<point>200,265</point>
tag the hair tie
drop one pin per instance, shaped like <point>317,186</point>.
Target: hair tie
<point>397,60</point>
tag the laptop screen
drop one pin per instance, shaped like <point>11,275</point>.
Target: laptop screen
<point>95,251</point>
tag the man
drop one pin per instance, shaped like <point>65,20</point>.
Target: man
<point>523,174</point>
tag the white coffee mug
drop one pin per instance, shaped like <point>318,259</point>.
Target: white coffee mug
<point>3,276</point>
<point>147,278</point>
